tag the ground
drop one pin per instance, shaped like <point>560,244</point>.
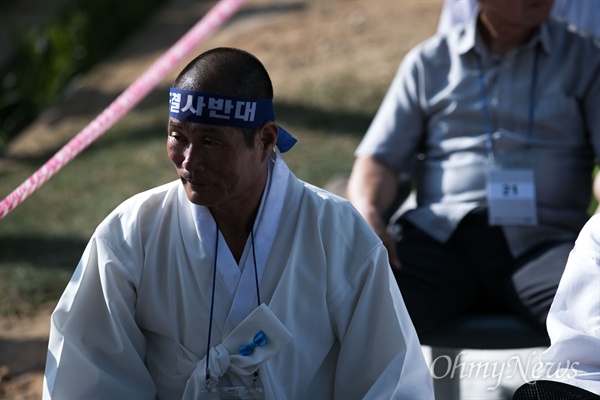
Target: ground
<point>298,41</point>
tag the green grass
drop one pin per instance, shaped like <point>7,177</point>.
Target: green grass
<point>46,57</point>
<point>24,288</point>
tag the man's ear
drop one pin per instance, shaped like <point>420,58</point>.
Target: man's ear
<point>267,135</point>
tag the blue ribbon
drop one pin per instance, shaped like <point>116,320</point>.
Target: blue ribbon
<point>260,339</point>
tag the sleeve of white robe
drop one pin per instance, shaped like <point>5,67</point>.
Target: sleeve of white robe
<point>96,349</point>
<point>380,355</point>
<point>574,318</point>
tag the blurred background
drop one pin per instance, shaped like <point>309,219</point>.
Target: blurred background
<point>62,62</point>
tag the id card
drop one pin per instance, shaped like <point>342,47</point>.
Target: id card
<point>511,196</point>
<point>232,393</point>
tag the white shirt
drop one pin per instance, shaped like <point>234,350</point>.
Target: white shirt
<point>133,321</point>
<point>574,318</point>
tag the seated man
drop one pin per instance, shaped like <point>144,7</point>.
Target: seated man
<point>498,123</point>
<point>238,280</point>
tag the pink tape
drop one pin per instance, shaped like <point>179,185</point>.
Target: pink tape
<point>163,66</point>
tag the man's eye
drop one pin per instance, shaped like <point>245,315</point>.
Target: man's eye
<point>177,137</point>
<point>210,143</point>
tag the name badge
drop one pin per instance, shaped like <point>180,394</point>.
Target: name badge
<point>511,197</point>
<point>232,393</point>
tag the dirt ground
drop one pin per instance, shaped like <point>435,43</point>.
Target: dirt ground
<point>298,41</point>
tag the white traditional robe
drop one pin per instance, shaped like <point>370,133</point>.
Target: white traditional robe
<point>133,321</point>
<point>574,317</point>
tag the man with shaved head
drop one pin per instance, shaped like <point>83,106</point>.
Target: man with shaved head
<point>238,281</point>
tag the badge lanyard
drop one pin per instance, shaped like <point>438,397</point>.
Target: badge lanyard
<point>485,111</point>
<point>510,191</point>
<point>212,300</point>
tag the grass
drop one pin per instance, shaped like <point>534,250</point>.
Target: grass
<point>46,57</point>
<point>24,289</point>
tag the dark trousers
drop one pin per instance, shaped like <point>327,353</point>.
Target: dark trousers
<point>475,272</point>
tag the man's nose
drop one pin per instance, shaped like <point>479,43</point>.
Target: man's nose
<point>193,159</point>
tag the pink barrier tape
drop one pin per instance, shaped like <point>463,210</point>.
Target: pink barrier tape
<point>217,15</point>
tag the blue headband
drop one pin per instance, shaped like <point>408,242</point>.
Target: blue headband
<point>215,109</point>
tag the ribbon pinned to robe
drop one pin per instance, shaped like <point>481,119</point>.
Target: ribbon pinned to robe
<point>260,339</point>
<point>224,358</point>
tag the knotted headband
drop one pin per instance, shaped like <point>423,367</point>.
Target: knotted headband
<point>216,109</point>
